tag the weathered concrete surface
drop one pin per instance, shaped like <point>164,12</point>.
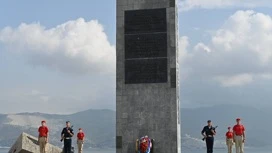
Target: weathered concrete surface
<point>148,108</point>
<point>29,144</point>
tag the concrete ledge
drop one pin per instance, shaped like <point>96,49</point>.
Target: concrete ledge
<point>29,144</point>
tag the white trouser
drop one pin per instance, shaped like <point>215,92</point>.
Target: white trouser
<point>229,143</point>
<point>239,144</point>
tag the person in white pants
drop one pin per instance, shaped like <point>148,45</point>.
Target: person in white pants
<point>229,140</point>
<point>239,136</point>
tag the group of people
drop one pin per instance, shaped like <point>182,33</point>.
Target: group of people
<point>235,135</point>
<point>66,136</point>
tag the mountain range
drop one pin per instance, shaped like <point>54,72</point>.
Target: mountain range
<point>99,125</point>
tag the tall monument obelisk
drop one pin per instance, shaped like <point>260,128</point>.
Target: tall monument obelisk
<point>147,100</point>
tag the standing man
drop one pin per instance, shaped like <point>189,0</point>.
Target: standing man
<point>229,139</point>
<point>239,136</point>
<point>66,135</point>
<point>208,133</point>
<point>43,137</point>
<point>80,140</point>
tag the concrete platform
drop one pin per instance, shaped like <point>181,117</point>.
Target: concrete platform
<point>29,144</point>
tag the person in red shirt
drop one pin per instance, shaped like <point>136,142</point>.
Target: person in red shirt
<point>239,136</point>
<point>43,137</point>
<point>80,140</point>
<point>229,139</point>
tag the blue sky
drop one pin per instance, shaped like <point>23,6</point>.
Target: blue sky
<point>51,13</point>
<point>58,56</point>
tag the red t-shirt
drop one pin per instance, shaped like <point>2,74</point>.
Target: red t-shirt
<point>80,136</point>
<point>229,135</point>
<point>43,131</point>
<point>238,129</point>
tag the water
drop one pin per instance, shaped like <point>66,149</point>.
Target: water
<point>84,151</point>
<point>247,150</point>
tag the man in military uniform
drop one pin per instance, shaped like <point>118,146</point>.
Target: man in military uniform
<point>208,133</point>
<point>66,135</point>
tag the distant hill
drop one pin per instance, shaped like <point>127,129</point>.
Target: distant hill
<point>99,125</point>
<point>256,121</point>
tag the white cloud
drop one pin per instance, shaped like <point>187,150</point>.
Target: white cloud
<point>202,48</point>
<point>196,28</point>
<point>186,5</point>
<point>45,98</point>
<point>183,46</point>
<point>38,96</point>
<point>239,52</point>
<point>267,76</point>
<point>237,80</point>
<point>246,30</point>
<point>35,92</point>
<point>237,70</point>
<point>75,46</point>
<point>183,56</point>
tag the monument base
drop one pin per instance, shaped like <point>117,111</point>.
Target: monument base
<point>29,144</point>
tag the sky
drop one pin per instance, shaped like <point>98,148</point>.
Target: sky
<point>59,56</point>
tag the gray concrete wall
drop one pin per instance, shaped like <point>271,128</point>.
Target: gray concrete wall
<point>148,109</point>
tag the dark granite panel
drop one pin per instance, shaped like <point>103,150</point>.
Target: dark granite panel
<point>145,21</point>
<point>146,45</point>
<point>146,71</point>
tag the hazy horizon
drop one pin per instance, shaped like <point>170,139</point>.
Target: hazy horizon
<point>182,108</point>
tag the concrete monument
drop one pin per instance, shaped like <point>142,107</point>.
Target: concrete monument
<point>29,144</point>
<point>147,86</point>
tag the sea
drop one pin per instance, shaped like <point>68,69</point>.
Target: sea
<point>247,150</point>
